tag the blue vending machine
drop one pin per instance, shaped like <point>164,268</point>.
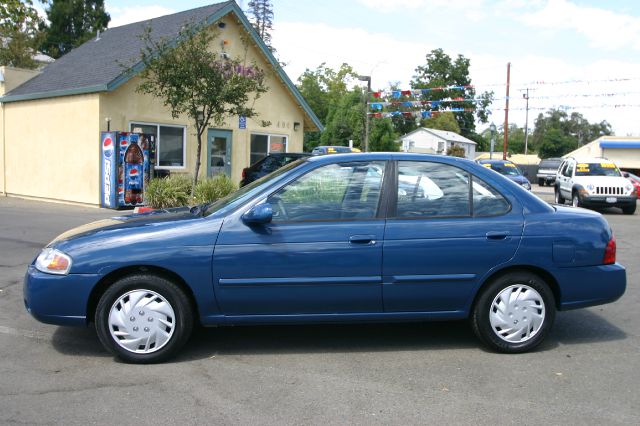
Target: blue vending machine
<point>126,165</point>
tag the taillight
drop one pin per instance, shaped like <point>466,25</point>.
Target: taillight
<point>244,173</point>
<point>610,252</point>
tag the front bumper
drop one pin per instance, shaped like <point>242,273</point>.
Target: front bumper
<point>607,200</point>
<point>58,299</point>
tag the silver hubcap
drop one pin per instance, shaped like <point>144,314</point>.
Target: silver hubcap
<point>141,321</point>
<point>576,202</point>
<point>517,313</point>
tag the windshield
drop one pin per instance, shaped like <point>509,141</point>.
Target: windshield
<point>597,169</point>
<point>508,169</point>
<point>248,189</point>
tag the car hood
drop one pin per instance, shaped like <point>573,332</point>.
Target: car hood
<point>519,179</point>
<point>601,180</point>
<point>127,221</point>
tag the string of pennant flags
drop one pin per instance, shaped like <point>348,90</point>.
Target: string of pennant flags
<point>397,94</point>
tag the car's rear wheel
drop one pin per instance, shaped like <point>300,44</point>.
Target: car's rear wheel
<point>558,197</point>
<point>144,319</point>
<point>540,182</point>
<point>629,209</point>
<point>514,312</point>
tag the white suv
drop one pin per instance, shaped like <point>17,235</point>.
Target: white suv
<point>594,182</point>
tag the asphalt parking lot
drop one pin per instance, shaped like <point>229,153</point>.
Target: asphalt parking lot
<point>586,372</point>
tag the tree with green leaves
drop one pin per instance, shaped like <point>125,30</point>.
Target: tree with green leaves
<point>71,23</point>
<point>191,79</point>
<point>444,121</point>
<point>456,151</point>
<point>345,121</point>
<point>324,89</point>
<point>260,14</point>
<point>383,136</point>
<point>441,71</point>
<point>555,144</point>
<point>574,127</point>
<point>20,35</point>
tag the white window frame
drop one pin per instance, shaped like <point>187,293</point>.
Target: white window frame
<point>159,144</point>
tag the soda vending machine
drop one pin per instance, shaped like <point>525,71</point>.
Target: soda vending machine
<point>127,161</point>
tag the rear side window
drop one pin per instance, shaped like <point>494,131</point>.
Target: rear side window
<point>428,189</point>
<point>432,190</point>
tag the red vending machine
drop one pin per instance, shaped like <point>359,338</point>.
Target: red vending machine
<point>127,161</point>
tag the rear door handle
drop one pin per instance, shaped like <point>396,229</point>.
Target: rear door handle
<point>497,235</point>
<point>362,239</point>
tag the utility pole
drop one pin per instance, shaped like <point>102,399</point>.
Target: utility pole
<point>526,122</point>
<point>366,78</point>
<point>506,114</point>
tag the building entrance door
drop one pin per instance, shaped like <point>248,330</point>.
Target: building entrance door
<point>218,152</point>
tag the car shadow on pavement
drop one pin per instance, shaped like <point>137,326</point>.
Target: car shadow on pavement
<point>570,328</point>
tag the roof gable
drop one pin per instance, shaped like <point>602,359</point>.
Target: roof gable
<point>99,64</point>
<point>442,134</point>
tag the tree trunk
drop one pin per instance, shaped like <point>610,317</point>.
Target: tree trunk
<point>198,155</point>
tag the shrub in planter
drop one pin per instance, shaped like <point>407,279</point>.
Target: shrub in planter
<point>172,191</point>
<point>212,189</point>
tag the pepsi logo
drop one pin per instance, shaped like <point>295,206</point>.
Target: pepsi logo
<point>133,172</point>
<point>107,147</point>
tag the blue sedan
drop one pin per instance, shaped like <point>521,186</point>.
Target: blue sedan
<point>344,238</point>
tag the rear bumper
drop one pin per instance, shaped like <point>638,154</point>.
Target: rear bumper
<point>591,285</point>
<point>58,299</point>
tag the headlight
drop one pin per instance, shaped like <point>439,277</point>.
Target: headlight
<point>629,188</point>
<point>52,261</point>
<point>526,185</point>
<point>591,187</point>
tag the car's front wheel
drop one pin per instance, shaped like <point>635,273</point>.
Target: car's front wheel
<point>629,209</point>
<point>575,200</point>
<point>514,312</point>
<point>144,318</point>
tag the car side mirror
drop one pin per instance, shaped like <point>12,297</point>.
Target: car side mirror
<point>258,215</point>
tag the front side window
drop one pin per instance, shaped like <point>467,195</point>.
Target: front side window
<point>262,145</point>
<point>428,189</point>
<point>170,144</point>
<point>343,191</point>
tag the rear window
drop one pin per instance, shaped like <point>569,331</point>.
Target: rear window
<point>604,168</point>
<point>550,164</point>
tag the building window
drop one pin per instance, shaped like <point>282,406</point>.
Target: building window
<point>262,145</point>
<point>170,144</point>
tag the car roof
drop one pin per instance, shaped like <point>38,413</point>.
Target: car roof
<point>491,161</point>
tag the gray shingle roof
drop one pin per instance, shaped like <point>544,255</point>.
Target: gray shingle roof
<point>97,63</point>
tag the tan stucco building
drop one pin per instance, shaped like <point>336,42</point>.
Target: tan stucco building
<point>50,123</point>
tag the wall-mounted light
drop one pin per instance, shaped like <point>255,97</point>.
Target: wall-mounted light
<point>108,120</point>
<point>296,126</point>
<point>221,25</point>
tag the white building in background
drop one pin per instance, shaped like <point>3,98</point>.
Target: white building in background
<point>623,151</point>
<point>432,141</point>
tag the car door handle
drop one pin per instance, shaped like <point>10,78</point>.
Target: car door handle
<point>497,235</point>
<point>362,239</point>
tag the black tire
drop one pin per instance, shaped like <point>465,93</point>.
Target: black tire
<point>558,196</point>
<point>540,182</point>
<point>575,200</point>
<point>154,294</point>
<point>629,209</point>
<point>539,303</point>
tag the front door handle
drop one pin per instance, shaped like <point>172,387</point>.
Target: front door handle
<point>362,239</point>
<point>497,235</point>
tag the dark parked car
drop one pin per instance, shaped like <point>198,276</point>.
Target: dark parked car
<point>547,170</point>
<point>335,238</point>
<point>508,169</point>
<point>268,164</point>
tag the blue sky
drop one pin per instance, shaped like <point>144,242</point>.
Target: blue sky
<point>548,42</point>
